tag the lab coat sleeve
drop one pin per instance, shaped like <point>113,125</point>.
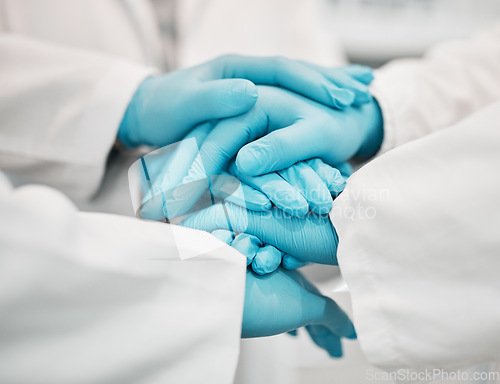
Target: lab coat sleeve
<point>96,298</point>
<point>453,80</point>
<point>419,248</point>
<point>60,110</point>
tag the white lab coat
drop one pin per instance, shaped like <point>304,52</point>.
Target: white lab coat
<point>418,226</point>
<point>66,82</point>
<point>98,298</point>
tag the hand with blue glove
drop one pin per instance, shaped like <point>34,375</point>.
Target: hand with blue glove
<point>284,128</point>
<point>281,116</point>
<point>167,192</point>
<point>284,301</point>
<point>338,136</point>
<point>307,185</point>
<point>262,258</point>
<point>308,239</point>
<point>165,108</point>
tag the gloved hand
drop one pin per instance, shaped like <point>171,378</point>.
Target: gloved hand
<point>279,112</point>
<point>294,127</point>
<point>164,108</point>
<point>306,185</point>
<point>167,191</point>
<point>285,301</point>
<point>334,136</point>
<point>308,239</point>
<point>264,259</point>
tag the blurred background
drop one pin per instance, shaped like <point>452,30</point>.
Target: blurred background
<point>328,32</point>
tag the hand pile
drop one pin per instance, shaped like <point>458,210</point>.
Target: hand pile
<point>265,151</point>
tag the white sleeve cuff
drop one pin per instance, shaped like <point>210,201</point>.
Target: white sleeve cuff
<point>104,112</point>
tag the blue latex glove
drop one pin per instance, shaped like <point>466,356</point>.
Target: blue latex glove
<point>263,259</point>
<point>308,239</point>
<point>353,77</point>
<point>294,129</point>
<point>159,181</point>
<point>165,189</point>
<point>335,137</point>
<point>304,186</point>
<point>164,108</point>
<point>284,301</point>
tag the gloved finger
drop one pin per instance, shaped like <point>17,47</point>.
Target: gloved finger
<point>289,74</point>
<point>167,166</point>
<point>311,238</point>
<point>310,185</point>
<point>336,320</point>
<point>248,245</point>
<point>267,260</point>
<point>331,177</point>
<point>229,188</point>
<point>345,169</point>
<point>279,191</point>
<point>327,312</point>
<point>326,340</point>
<point>163,170</point>
<point>227,138</point>
<point>224,235</point>
<point>219,99</point>
<point>293,333</point>
<point>343,80</point>
<point>289,262</point>
<point>282,148</point>
<point>361,73</point>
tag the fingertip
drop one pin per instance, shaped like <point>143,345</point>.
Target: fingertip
<point>267,260</point>
<point>255,200</point>
<point>359,72</point>
<point>336,353</point>
<point>289,262</point>
<point>242,95</point>
<point>223,98</point>
<point>262,201</point>
<point>248,245</point>
<point>363,96</point>
<point>259,266</point>
<point>249,160</point>
<point>353,335</point>
<point>345,170</point>
<point>297,208</point>
<point>245,88</point>
<point>322,207</point>
<point>224,235</point>
<point>338,184</point>
<point>342,98</point>
<point>367,77</point>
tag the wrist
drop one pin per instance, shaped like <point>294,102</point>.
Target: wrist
<point>126,125</point>
<point>372,129</point>
<point>128,132</point>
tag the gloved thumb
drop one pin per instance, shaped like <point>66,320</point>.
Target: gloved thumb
<point>218,99</point>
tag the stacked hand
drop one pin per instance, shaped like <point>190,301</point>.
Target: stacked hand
<point>285,301</point>
<point>288,140</point>
<point>165,108</point>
